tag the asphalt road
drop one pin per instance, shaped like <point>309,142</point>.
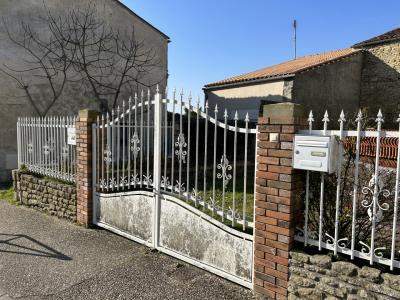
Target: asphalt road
<point>42,257</point>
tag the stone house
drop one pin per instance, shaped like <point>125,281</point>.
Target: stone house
<point>14,103</point>
<point>365,75</point>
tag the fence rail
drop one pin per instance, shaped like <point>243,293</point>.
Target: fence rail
<point>363,222</point>
<point>43,146</point>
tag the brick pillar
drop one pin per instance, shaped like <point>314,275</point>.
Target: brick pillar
<point>84,166</point>
<point>278,187</point>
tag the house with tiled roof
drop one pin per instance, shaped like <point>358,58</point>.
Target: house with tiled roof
<point>365,75</point>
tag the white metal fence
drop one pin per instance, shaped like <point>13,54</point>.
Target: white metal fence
<point>187,146</point>
<point>44,148</point>
<point>355,211</point>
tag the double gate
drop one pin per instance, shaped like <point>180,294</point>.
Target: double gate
<point>173,177</point>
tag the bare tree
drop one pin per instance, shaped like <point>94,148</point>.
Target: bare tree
<point>81,48</point>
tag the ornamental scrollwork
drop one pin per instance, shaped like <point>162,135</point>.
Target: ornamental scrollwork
<point>181,145</point>
<point>135,144</point>
<point>108,155</point>
<point>369,190</point>
<point>224,166</point>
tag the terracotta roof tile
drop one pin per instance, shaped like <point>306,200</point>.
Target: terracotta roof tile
<point>387,150</point>
<point>391,35</point>
<point>288,68</point>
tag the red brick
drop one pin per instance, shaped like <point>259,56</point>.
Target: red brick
<point>278,215</point>
<point>286,137</point>
<point>278,230</point>
<point>268,160</point>
<point>265,291</point>
<point>277,289</point>
<point>267,220</point>
<point>259,254</point>
<point>278,200</point>
<point>267,190</point>
<point>258,282</point>
<point>280,153</point>
<point>267,175</point>
<point>277,274</point>
<point>285,162</point>
<point>260,226</point>
<point>289,129</point>
<point>263,120</point>
<point>260,211</point>
<point>280,184</point>
<point>269,128</point>
<point>258,268</point>
<point>269,145</point>
<point>260,197</point>
<point>265,263</point>
<point>262,167</point>
<point>280,169</point>
<point>263,136</point>
<point>266,249</point>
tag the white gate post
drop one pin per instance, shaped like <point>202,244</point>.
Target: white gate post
<point>157,167</point>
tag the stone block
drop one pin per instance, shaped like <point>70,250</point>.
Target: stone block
<point>322,261</point>
<point>345,268</point>
<point>370,274</point>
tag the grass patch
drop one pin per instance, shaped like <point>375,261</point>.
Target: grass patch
<point>7,193</point>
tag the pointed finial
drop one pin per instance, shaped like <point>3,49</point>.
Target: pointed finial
<point>198,101</point>
<point>379,118</point>
<point>207,107</point>
<point>130,100</point>
<point>359,116</point>
<point>342,117</point>
<point>236,116</point>
<point>398,119</point>
<point>216,108</point>
<point>142,94</point>
<point>182,93</point>
<point>148,92</point>
<point>310,117</point>
<point>247,118</point>
<point>226,114</point>
<point>190,97</point>
<point>326,117</point>
<point>157,89</point>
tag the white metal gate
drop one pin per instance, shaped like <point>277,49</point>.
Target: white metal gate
<point>165,178</point>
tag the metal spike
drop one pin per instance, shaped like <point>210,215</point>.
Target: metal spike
<point>236,116</point>
<point>157,89</point>
<point>247,119</point>
<point>216,108</point>
<point>182,93</point>
<point>359,116</point>
<point>310,117</point>
<point>342,117</point>
<point>398,119</point>
<point>379,118</point>
<point>142,94</point>
<point>326,117</point>
<point>207,107</point>
<point>225,114</point>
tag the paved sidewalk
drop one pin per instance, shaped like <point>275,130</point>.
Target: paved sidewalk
<point>42,257</point>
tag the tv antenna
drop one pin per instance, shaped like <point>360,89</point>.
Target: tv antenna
<point>295,37</point>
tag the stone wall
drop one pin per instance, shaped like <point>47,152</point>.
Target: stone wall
<point>54,198</point>
<point>380,80</point>
<point>318,277</point>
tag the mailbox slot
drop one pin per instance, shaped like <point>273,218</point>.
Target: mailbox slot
<point>315,153</point>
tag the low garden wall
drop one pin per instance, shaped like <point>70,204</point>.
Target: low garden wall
<point>47,195</point>
<point>318,277</point>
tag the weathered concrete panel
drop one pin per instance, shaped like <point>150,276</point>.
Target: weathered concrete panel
<point>132,214</point>
<point>189,234</point>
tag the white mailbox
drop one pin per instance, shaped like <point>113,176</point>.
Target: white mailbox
<point>315,153</point>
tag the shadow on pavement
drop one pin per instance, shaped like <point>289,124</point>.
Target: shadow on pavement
<point>25,245</point>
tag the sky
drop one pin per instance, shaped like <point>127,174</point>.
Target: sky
<point>215,39</point>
